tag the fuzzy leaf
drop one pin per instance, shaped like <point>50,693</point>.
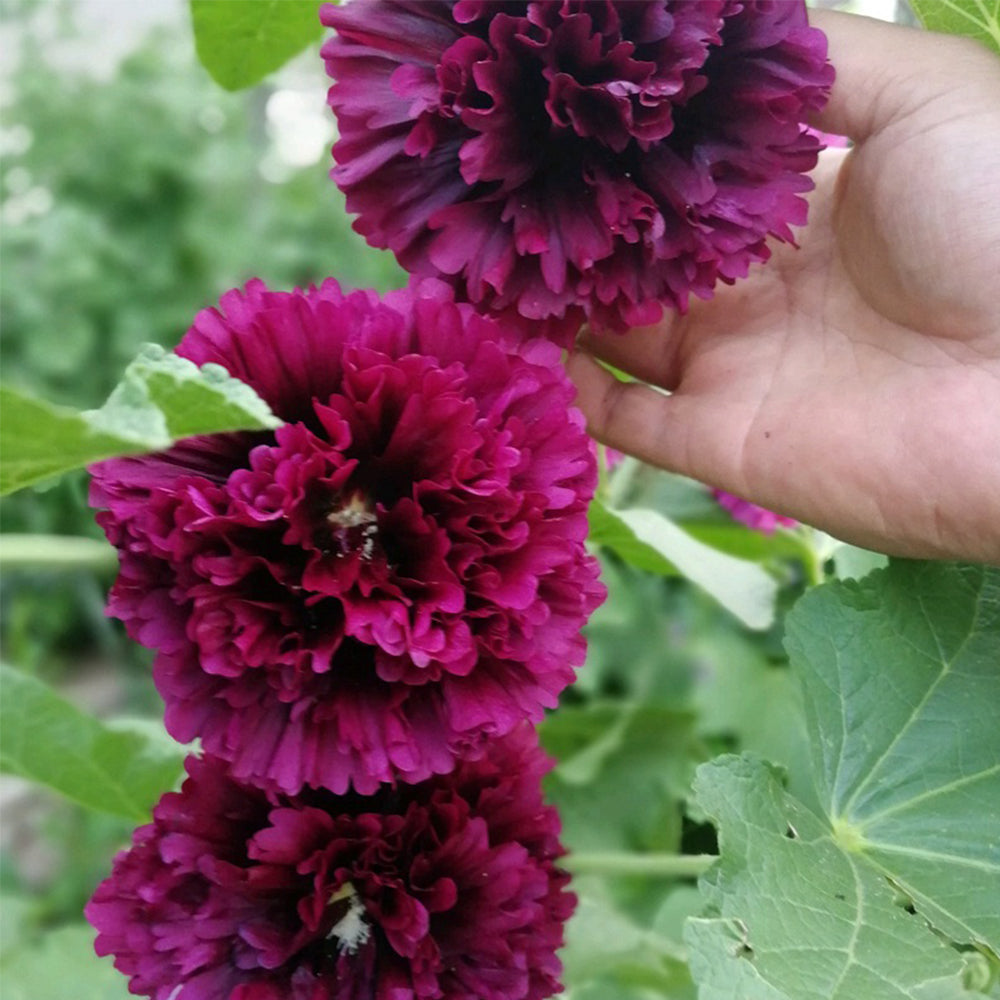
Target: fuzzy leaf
<point>901,679</point>
<point>979,19</point>
<point>796,915</point>
<point>46,739</point>
<point>160,399</point>
<point>648,540</point>
<point>241,41</point>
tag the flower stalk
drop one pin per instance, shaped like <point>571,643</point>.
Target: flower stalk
<point>652,865</point>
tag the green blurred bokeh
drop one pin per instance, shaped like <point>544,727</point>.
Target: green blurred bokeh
<point>128,204</point>
<point>131,196</point>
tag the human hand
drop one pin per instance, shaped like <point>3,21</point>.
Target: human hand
<point>853,383</point>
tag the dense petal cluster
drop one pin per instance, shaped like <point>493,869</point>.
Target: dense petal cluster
<point>443,890</point>
<point>570,159</point>
<point>751,514</point>
<point>396,574</point>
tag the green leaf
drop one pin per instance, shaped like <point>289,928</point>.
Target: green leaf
<point>798,916</point>
<point>852,563</point>
<point>46,739</point>
<point>241,41</point>
<point>901,678</point>
<point>743,697</point>
<point>608,954</point>
<point>624,771</point>
<point>717,954</point>
<point>648,540</point>
<point>62,965</point>
<point>607,529</point>
<point>160,399</point>
<point>15,915</point>
<point>979,19</point>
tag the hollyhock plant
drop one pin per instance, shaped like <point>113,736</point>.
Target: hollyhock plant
<point>572,159</point>
<point>447,889</point>
<point>753,516</point>
<point>396,574</point>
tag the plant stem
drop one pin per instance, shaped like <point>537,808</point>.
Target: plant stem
<point>623,863</point>
<point>55,552</point>
<point>621,480</point>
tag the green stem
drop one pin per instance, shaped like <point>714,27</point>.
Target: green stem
<point>55,552</point>
<point>621,481</point>
<point>622,863</point>
<point>816,549</point>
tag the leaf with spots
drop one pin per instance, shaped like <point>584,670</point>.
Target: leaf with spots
<point>892,893</point>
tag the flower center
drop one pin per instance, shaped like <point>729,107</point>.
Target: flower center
<point>355,525</point>
<point>351,929</point>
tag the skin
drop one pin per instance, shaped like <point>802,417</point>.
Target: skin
<point>854,382</point>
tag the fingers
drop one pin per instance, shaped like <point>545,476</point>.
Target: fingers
<point>884,71</point>
<point>648,353</point>
<point>668,431</point>
<point>627,416</point>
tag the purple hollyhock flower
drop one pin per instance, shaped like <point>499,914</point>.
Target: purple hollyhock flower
<point>396,574</point>
<point>759,518</point>
<point>443,890</point>
<point>572,159</point>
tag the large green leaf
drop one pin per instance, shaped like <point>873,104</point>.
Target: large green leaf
<point>797,916</point>
<point>978,19</point>
<point>160,399</point>
<point>241,41</point>
<point>648,540</point>
<point>46,739</point>
<point>901,677</point>
<point>901,681</point>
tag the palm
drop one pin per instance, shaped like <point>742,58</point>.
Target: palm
<point>854,382</point>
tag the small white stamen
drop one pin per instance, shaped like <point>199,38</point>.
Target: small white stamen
<point>354,514</point>
<point>368,534</point>
<point>351,930</point>
<point>356,517</point>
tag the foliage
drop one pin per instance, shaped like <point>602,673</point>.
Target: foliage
<point>974,18</point>
<point>119,769</point>
<point>649,540</point>
<point>127,205</point>
<point>245,40</point>
<point>160,399</point>
<point>874,899</point>
<point>42,968</point>
<point>847,787</point>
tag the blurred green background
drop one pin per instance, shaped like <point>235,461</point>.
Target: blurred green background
<point>134,192</point>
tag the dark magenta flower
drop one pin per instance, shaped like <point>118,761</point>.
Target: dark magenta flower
<point>396,574</point>
<point>751,514</point>
<point>443,890</point>
<point>571,159</point>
